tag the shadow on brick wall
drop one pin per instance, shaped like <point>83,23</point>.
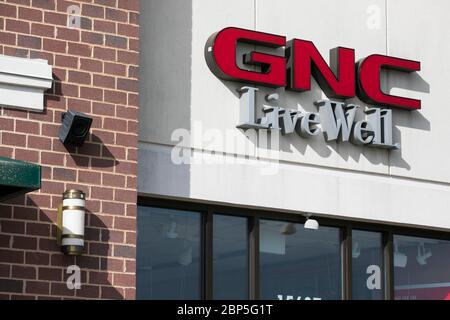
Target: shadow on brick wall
<point>100,155</point>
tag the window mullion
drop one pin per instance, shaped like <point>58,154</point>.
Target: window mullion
<point>346,249</point>
<point>253,258</point>
<point>207,255</point>
<point>388,265</point>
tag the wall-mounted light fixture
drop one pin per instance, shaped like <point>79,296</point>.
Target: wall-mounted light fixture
<point>75,128</point>
<point>311,224</point>
<point>71,215</point>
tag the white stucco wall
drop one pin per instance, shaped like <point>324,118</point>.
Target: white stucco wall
<point>407,186</point>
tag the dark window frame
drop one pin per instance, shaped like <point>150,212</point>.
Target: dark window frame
<point>254,215</point>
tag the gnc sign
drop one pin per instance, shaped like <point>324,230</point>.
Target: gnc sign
<point>341,79</point>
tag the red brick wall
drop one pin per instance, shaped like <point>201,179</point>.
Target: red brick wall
<point>96,72</point>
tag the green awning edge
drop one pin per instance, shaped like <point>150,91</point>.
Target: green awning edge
<point>18,177</point>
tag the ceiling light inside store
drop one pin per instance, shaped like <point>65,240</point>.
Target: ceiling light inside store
<point>422,254</point>
<point>356,250</point>
<point>185,258</point>
<point>172,232</point>
<point>400,259</point>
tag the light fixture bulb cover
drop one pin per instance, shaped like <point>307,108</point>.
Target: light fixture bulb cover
<point>311,224</point>
<point>71,222</point>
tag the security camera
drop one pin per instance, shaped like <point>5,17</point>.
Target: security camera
<point>75,128</point>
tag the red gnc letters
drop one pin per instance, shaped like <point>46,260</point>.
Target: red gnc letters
<point>222,59</point>
<point>369,80</point>
<point>301,60</point>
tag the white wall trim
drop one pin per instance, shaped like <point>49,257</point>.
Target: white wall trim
<point>293,188</point>
<point>23,82</point>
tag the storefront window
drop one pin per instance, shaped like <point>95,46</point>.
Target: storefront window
<point>299,264</point>
<point>168,254</point>
<point>421,268</point>
<point>367,270</point>
<point>294,263</point>
<point>230,257</point>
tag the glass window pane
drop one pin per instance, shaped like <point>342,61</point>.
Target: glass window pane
<point>230,254</point>
<point>367,259</point>
<point>168,254</point>
<point>299,264</point>
<point>421,268</point>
